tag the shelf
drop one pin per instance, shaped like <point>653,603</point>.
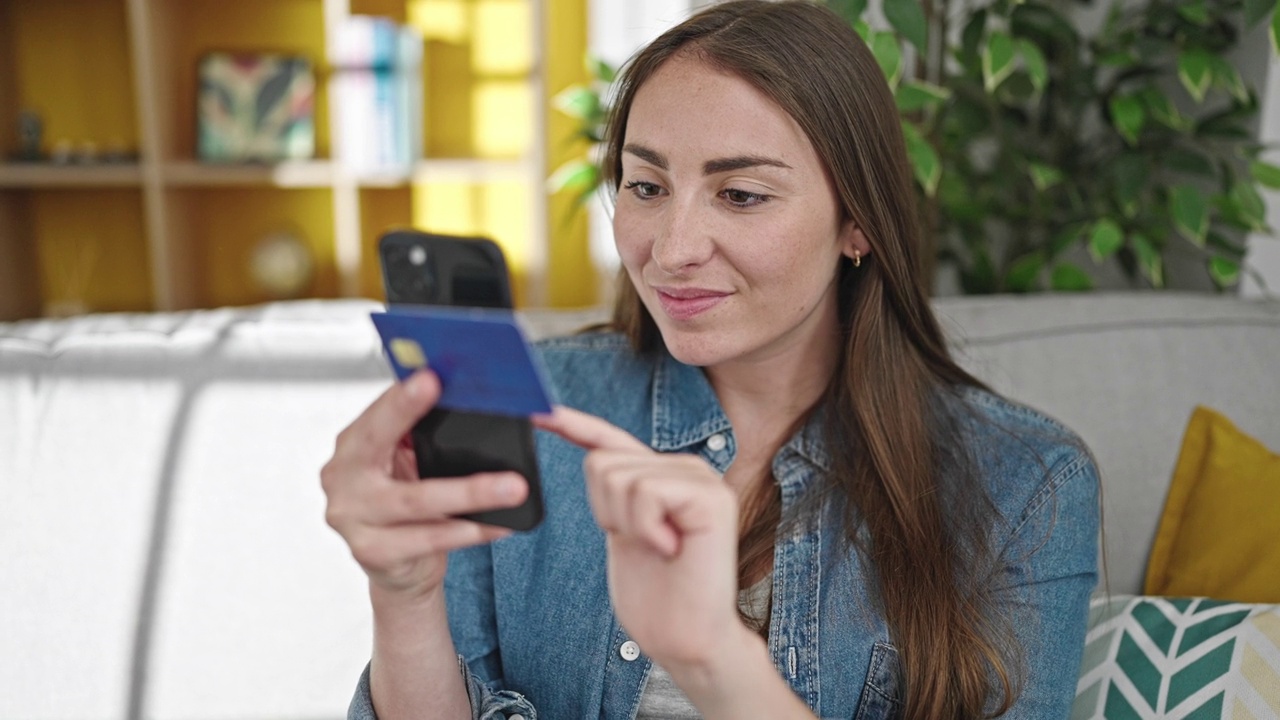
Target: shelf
<point>290,174</point>
<point>37,175</point>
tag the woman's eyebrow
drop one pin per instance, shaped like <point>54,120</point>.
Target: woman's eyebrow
<point>710,167</point>
<point>652,157</point>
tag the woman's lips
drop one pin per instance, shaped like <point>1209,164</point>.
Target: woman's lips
<point>686,303</point>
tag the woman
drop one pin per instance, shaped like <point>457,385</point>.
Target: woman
<point>774,421</point>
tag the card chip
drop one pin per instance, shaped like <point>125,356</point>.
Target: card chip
<point>408,353</point>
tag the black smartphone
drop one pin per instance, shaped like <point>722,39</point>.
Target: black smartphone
<point>424,269</point>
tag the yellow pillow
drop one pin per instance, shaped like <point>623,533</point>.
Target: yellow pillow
<point>1219,536</point>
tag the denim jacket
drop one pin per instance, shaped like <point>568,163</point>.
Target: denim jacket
<point>531,618</point>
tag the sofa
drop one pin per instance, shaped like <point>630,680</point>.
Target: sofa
<point>164,549</point>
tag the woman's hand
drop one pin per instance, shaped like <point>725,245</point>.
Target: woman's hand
<point>672,527</point>
<point>399,529</point>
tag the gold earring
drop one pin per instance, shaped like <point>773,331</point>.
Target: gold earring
<point>857,258</point>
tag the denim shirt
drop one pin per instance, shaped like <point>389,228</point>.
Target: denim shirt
<point>531,618</point>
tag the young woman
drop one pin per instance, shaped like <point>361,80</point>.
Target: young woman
<point>770,491</point>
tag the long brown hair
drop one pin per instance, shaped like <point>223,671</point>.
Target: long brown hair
<point>890,432</point>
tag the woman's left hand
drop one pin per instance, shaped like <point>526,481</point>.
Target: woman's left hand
<point>672,534</point>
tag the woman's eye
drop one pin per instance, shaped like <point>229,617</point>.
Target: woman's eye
<point>643,190</point>
<point>742,198</point>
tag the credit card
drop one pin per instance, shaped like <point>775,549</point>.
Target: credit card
<point>482,357</point>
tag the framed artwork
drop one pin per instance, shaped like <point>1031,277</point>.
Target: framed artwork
<point>256,108</point>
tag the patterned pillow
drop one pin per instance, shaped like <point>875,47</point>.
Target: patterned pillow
<point>1194,658</point>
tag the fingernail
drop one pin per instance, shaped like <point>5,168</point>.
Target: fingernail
<point>509,486</point>
<point>417,385</point>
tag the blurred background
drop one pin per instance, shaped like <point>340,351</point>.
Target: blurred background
<point>174,154</point>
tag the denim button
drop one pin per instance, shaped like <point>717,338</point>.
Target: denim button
<point>517,716</point>
<point>716,442</point>
<point>629,650</point>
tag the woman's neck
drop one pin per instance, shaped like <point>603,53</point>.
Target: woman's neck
<point>766,397</point>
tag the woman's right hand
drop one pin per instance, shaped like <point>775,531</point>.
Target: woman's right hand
<point>399,529</point>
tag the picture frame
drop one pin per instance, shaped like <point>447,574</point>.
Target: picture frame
<point>255,108</point>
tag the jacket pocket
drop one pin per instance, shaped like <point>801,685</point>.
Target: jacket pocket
<point>881,693</point>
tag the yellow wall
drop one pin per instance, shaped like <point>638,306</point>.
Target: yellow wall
<point>226,224</point>
<point>73,68</point>
<point>91,249</point>
<point>572,278</point>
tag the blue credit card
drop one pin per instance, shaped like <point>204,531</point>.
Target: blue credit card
<point>483,360</point>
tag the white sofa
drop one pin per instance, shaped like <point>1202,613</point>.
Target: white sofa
<point>164,551</point>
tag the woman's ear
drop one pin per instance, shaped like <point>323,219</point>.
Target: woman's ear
<point>852,239</point>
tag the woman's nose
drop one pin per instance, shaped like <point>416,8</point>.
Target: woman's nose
<point>684,241</point>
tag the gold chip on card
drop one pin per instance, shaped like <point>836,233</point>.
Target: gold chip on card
<point>408,354</point>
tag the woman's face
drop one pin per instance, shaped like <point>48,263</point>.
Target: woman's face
<point>726,220</point>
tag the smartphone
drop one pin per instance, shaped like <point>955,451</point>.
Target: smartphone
<point>424,269</point>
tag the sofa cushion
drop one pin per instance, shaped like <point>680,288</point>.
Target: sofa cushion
<point>1156,657</point>
<point>1217,535</point>
<point>1125,370</point>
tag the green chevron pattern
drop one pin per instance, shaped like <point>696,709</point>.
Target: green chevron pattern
<point>1149,658</point>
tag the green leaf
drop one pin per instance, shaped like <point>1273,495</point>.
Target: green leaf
<point>1149,260</point>
<point>1128,117</point>
<point>972,35</point>
<point>1255,10</point>
<point>1249,205</point>
<point>1105,239</point>
<point>579,102</point>
<point>1023,272</point>
<point>580,176</point>
<point>916,94</point>
<point>1195,12</point>
<point>1044,176</point>
<point>884,45</point>
<point>1195,70</point>
<point>1033,60</point>
<point>601,70</point>
<point>1187,161</point>
<point>1069,278</point>
<point>1224,272</point>
<point>1228,78</point>
<point>1275,33</point>
<point>1265,173</point>
<point>997,60</point>
<point>864,31</point>
<point>1130,173</point>
<point>924,159</point>
<point>907,17</point>
<point>1161,109</point>
<point>850,10</point>
<point>1066,237</point>
<point>1190,212</point>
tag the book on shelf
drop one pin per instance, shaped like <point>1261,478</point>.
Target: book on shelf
<point>379,79</point>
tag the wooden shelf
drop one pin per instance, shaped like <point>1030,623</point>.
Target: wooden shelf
<point>37,175</point>
<point>289,174</point>
<point>485,88</point>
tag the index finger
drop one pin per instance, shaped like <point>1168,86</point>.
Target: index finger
<point>376,433</point>
<point>587,431</point>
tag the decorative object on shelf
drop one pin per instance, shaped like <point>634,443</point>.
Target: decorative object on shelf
<point>71,278</point>
<point>256,108</point>
<point>30,137</point>
<point>380,78</point>
<point>281,265</point>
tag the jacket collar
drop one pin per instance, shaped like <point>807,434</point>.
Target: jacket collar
<point>686,412</point>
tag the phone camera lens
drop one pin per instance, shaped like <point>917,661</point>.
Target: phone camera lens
<point>417,255</point>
